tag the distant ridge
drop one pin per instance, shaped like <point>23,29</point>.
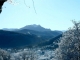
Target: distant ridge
<point>50,44</point>
<point>35,28</point>
<point>39,31</point>
<point>29,35</point>
<point>9,29</point>
<point>10,39</point>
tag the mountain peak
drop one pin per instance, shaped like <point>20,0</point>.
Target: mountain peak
<point>34,25</point>
<point>36,28</point>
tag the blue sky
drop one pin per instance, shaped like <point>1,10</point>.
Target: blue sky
<point>53,14</point>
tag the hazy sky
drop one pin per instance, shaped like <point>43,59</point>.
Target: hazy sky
<point>53,14</point>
